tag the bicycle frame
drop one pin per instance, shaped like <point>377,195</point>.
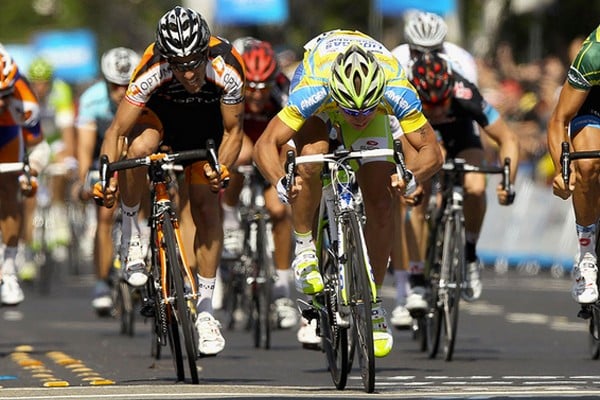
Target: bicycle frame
<point>172,311</point>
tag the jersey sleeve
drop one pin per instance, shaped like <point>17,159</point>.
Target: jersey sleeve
<point>584,71</point>
<point>61,98</point>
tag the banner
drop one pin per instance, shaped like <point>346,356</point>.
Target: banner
<point>397,7</point>
<point>251,12</point>
<point>72,53</point>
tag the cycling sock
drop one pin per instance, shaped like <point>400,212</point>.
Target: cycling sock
<point>206,287</point>
<point>231,217</point>
<point>416,267</point>
<point>304,241</point>
<point>8,266</point>
<point>282,283</point>
<point>586,236</point>
<point>129,226</point>
<point>470,252</point>
<point>401,283</point>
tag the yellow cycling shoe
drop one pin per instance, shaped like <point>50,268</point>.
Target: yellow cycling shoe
<point>383,340</point>
<point>307,277</point>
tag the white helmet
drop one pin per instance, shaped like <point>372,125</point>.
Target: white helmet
<point>182,32</point>
<point>425,31</point>
<point>118,64</point>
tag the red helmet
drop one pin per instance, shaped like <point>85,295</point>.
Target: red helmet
<point>260,62</point>
<point>8,70</point>
<point>432,77</point>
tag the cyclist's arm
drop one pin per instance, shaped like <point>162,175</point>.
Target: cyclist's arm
<point>124,120</point>
<point>508,144</point>
<point>266,149</point>
<point>569,102</point>
<point>86,140</point>
<point>233,133</point>
<point>428,159</point>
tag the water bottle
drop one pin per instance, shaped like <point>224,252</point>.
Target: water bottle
<point>344,188</point>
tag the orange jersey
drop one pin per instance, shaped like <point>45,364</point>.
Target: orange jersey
<point>21,115</point>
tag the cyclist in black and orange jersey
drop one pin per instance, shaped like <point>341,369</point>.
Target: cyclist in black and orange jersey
<point>576,119</point>
<point>452,104</point>
<point>266,95</point>
<point>19,124</point>
<point>189,87</point>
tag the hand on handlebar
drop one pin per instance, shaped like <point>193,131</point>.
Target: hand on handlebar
<point>403,187</point>
<point>107,197</point>
<point>505,196</point>
<point>288,196</point>
<point>216,179</point>
<point>415,198</point>
<point>559,187</point>
<point>28,184</point>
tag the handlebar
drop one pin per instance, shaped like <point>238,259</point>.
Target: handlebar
<point>340,156</point>
<point>566,157</point>
<point>459,165</point>
<point>209,154</point>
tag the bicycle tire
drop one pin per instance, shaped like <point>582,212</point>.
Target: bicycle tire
<point>334,337</point>
<point>594,330</point>
<point>359,291</point>
<point>157,333</point>
<point>181,307</point>
<point>262,288</point>
<point>454,244</point>
<point>125,309</point>
<point>432,269</point>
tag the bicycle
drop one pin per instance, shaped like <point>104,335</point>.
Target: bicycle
<point>591,311</point>
<point>343,309</point>
<point>249,280</point>
<point>170,292</point>
<point>445,264</point>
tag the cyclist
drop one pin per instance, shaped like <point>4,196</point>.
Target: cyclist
<point>349,80</point>
<point>575,119</point>
<point>19,124</point>
<point>452,104</point>
<point>57,116</point>
<point>423,32</point>
<point>266,94</point>
<point>97,106</point>
<point>189,87</point>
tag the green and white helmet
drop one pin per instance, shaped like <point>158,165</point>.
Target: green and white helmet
<point>357,80</point>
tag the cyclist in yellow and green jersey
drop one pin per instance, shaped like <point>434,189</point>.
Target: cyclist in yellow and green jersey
<point>349,81</point>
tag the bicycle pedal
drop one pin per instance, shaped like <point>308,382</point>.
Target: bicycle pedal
<point>307,310</point>
<point>147,309</point>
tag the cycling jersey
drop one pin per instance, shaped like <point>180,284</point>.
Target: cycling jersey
<point>466,105</point>
<point>256,123</point>
<point>584,74</point>
<point>19,121</point>
<point>309,91</point>
<point>189,119</point>
<point>96,111</point>
<point>57,110</point>
<point>460,59</point>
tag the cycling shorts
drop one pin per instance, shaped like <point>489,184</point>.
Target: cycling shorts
<point>377,135</point>
<point>459,136</point>
<point>11,150</point>
<point>194,172</point>
<point>582,121</point>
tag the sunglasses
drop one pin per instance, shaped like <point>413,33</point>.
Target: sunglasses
<point>358,113</point>
<point>188,65</point>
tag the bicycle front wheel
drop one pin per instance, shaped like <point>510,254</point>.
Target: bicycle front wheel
<point>262,287</point>
<point>183,309</point>
<point>433,261</point>
<point>359,292</point>
<point>594,328</point>
<point>454,263</point>
<point>335,335</point>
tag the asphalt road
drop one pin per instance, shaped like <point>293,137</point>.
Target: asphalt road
<point>522,339</point>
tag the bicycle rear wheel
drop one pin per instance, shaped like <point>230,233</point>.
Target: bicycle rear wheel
<point>359,291</point>
<point>262,288</point>
<point>182,310</point>
<point>454,262</point>
<point>335,337</point>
